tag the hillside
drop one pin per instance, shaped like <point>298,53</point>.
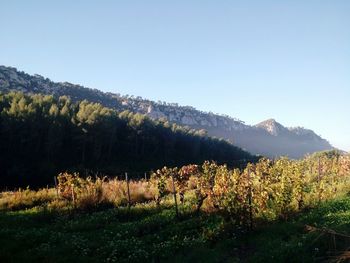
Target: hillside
<point>42,136</point>
<point>266,138</point>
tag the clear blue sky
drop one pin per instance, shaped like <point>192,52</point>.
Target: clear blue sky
<point>288,60</point>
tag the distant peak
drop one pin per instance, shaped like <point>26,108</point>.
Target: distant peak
<point>271,120</point>
<point>271,126</point>
<point>268,122</point>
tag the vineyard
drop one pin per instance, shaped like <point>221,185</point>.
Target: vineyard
<point>202,207</point>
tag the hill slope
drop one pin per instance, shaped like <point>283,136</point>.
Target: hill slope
<point>267,138</point>
<point>42,136</point>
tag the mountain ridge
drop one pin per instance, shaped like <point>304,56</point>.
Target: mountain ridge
<point>268,138</point>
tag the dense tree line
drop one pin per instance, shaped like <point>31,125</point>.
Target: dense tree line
<point>41,136</point>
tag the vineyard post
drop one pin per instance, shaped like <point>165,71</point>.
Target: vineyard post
<point>319,179</point>
<point>337,165</point>
<point>250,201</point>
<point>55,179</point>
<point>174,192</point>
<point>128,189</point>
<point>319,170</point>
<point>301,195</point>
<point>73,197</point>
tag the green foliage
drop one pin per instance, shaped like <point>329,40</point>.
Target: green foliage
<point>149,234</point>
<point>43,135</point>
<point>53,229</point>
<point>160,178</point>
<point>268,190</point>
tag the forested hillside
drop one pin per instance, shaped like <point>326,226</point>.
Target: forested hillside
<point>42,135</point>
<point>267,138</point>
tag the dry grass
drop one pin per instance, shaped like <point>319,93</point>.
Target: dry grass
<point>22,199</point>
<point>140,191</point>
<point>88,194</point>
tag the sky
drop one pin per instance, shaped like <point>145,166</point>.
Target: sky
<point>253,60</point>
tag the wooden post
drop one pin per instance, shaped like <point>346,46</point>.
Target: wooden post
<point>338,166</point>
<point>250,201</point>
<point>73,197</point>
<point>301,196</point>
<point>128,189</point>
<point>55,179</point>
<point>145,176</point>
<point>319,179</point>
<point>319,170</point>
<point>174,192</point>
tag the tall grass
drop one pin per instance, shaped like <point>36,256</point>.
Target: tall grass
<point>86,193</point>
<point>22,199</point>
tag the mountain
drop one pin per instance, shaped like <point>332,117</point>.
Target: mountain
<point>272,127</point>
<point>268,138</point>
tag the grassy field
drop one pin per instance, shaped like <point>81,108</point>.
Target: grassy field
<point>148,233</point>
<point>281,211</point>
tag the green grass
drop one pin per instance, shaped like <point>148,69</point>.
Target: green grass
<point>290,241</point>
<point>148,234</point>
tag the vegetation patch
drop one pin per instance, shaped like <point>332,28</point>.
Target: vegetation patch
<point>272,211</point>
